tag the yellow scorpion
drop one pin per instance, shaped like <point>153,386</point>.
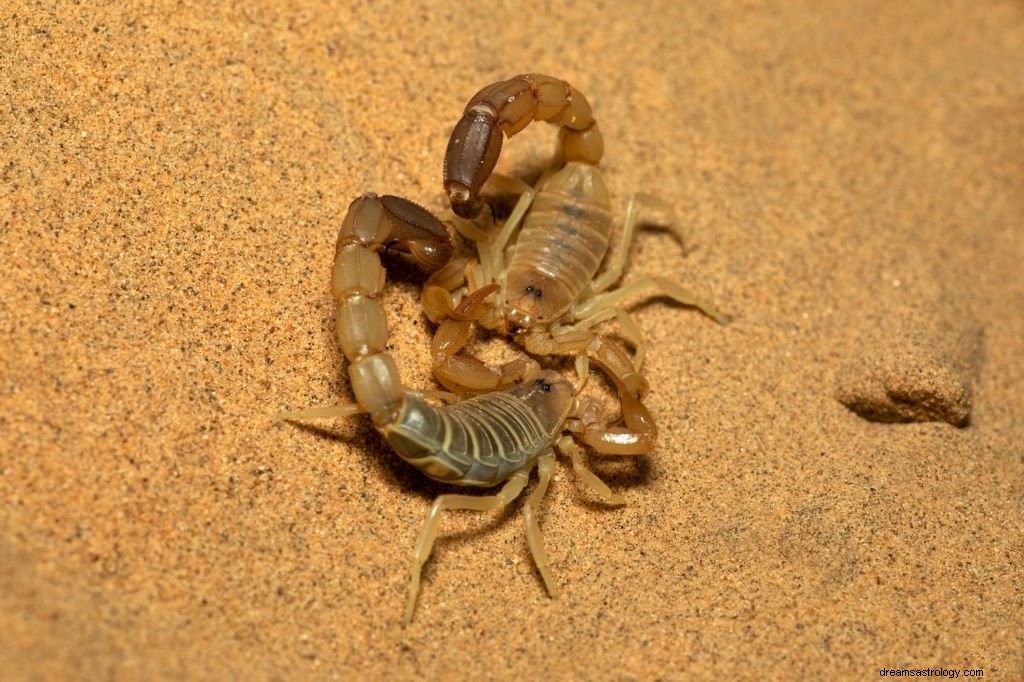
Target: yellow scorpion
<point>544,261</point>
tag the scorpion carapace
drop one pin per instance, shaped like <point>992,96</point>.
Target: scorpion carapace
<point>545,259</point>
<point>494,438</point>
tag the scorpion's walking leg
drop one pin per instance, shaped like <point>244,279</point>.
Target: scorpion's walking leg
<point>637,203</point>
<point>600,303</point>
<point>493,253</point>
<point>567,446</point>
<point>325,412</point>
<point>428,534</point>
<point>490,246</point>
<point>604,306</point>
<point>608,353</point>
<point>607,350</point>
<point>534,538</point>
<point>631,330</point>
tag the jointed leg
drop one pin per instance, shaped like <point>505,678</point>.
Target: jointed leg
<point>492,252</point>
<point>608,353</point>
<point>507,184</point>
<point>567,446</point>
<point>631,330</point>
<point>545,466</point>
<point>428,534</point>
<point>618,257</point>
<point>324,412</point>
<point>663,287</point>
<point>582,371</point>
<point>444,397</point>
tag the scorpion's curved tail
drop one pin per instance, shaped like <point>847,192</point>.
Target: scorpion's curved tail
<point>508,106</point>
<point>373,223</point>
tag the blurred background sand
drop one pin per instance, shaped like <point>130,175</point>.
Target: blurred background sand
<point>173,176</point>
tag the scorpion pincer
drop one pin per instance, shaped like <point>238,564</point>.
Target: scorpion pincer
<point>493,438</point>
<point>544,260</point>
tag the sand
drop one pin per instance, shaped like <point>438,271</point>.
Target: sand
<point>850,178</point>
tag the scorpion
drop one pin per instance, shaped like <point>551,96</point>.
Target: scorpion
<point>493,438</point>
<point>543,262</point>
<point>495,426</point>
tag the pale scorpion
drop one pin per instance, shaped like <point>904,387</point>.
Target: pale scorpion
<point>544,259</point>
<point>493,438</point>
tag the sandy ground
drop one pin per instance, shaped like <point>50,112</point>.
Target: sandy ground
<point>850,176</point>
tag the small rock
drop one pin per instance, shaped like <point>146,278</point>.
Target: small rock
<point>912,375</point>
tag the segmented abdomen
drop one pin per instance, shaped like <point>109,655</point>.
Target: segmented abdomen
<point>476,442</point>
<point>564,238</point>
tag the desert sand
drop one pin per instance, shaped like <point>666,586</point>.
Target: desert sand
<point>838,483</point>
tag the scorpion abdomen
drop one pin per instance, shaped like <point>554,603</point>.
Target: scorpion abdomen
<point>563,241</point>
<point>483,440</point>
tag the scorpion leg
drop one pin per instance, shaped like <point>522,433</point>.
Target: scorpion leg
<point>491,248</point>
<point>594,308</point>
<point>663,287</point>
<point>612,358</point>
<point>617,261</point>
<point>606,352</point>
<point>534,538</point>
<point>604,306</point>
<point>508,184</point>
<point>567,446</point>
<point>325,412</point>
<point>492,251</point>
<point>631,330</point>
<point>613,355</point>
<point>639,434</point>
<point>428,534</point>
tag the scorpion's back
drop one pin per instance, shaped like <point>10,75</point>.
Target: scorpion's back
<point>562,243</point>
<point>483,440</point>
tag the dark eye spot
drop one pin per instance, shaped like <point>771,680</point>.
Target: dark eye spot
<point>534,291</point>
<point>542,385</point>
